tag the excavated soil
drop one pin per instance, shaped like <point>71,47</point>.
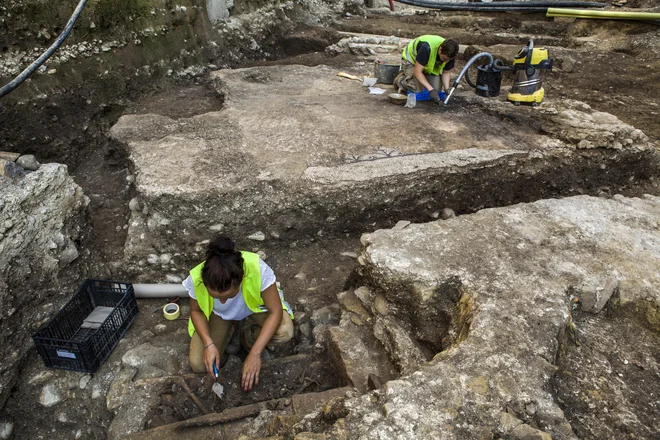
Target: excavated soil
<point>610,363</point>
<point>608,71</point>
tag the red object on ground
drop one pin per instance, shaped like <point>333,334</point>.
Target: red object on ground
<point>391,5</point>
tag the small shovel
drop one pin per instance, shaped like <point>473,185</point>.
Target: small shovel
<point>217,388</point>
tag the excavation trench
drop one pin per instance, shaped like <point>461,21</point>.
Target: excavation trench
<point>224,157</point>
<point>305,237</point>
<point>357,346</point>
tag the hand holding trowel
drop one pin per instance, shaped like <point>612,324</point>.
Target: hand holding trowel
<point>217,386</point>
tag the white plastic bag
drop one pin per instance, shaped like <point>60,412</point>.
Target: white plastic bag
<point>376,91</point>
<point>411,102</point>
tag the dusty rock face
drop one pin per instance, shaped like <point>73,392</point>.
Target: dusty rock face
<point>336,160</point>
<point>41,217</point>
<point>513,275</point>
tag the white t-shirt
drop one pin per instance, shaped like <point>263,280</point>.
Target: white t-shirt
<point>235,309</point>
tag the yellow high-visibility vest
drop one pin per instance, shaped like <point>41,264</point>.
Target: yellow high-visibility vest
<point>410,53</point>
<point>250,286</point>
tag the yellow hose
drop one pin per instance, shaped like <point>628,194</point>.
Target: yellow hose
<point>583,13</point>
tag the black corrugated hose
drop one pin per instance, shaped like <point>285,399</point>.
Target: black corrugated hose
<point>44,56</point>
<point>510,6</point>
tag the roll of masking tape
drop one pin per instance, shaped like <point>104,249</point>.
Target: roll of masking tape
<point>171,311</point>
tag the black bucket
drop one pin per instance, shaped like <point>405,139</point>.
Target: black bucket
<point>489,81</point>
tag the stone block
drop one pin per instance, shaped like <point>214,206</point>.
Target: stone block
<point>9,156</point>
<point>516,264</point>
<point>307,403</point>
<point>352,304</point>
<point>594,298</point>
<point>508,421</point>
<point>526,432</point>
<point>400,346</point>
<point>357,354</point>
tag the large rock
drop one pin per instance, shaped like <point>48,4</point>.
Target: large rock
<point>512,274</point>
<point>358,356</point>
<point>299,149</point>
<point>41,217</point>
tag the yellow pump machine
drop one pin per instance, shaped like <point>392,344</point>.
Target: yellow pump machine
<point>529,67</point>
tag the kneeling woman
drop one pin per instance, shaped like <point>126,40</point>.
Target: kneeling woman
<point>230,286</point>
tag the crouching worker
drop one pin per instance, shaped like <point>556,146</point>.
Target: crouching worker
<point>424,60</point>
<point>230,286</point>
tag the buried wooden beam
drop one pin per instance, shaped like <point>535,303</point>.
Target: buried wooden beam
<point>301,405</point>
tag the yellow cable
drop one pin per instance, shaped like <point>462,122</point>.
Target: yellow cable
<point>583,13</point>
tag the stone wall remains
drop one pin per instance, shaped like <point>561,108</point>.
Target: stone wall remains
<point>42,216</point>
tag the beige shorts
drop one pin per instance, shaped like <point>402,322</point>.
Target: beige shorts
<point>406,81</point>
<point>221,332</point>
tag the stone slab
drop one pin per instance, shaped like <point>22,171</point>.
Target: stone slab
<point>299,149</point>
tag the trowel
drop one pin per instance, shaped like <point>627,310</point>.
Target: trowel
<point>217,388</point>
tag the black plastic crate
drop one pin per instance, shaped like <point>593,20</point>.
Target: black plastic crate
<point>64,344</point>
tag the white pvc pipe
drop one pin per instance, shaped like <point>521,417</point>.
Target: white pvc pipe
<point>159,290</point>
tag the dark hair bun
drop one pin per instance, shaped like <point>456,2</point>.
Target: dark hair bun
<point>223,267</point>
<point>220,246</point>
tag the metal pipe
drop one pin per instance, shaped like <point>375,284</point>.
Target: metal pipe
<point>159,290</point>
<point>465,69</point>
<point>44,56</point>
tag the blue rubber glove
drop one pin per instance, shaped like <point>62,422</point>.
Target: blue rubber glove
<point>442,95</point>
